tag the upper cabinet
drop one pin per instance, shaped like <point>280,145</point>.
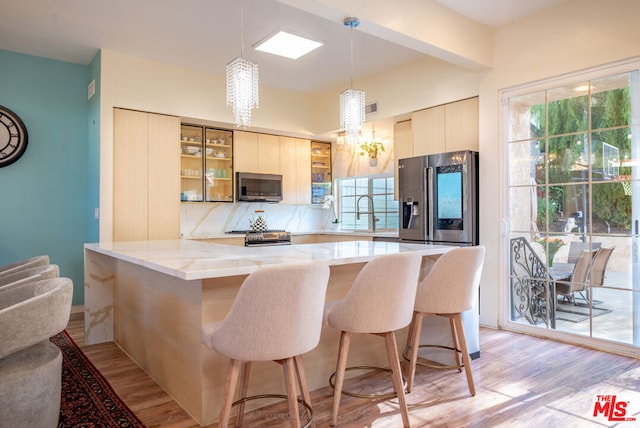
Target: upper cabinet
<point>145,176</point>
<point>273,154</point>
<point>321,177</point>
<point>445,128</point>
<point>206,164</point>
<point>295,164</point>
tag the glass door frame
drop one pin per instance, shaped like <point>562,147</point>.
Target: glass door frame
<point>505,306</point>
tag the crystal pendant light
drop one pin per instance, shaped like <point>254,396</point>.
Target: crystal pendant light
<point>242,83</point>
<point>352,101</point>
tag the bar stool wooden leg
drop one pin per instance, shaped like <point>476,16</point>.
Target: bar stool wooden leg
<point>302,380</point>
<point>456,342</point>
<point>244,386</point>
<point>229,390</point>
<point>414,343</point>
<point>343,351</point>
<point>292,394</point>
<point>465,352</point>
<point>396,375</point>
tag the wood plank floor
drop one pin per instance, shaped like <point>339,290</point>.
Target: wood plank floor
<point>520,381</point>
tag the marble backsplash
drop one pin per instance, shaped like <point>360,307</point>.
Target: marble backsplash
<point>211,220</point>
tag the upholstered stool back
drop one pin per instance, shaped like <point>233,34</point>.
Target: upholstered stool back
<point>381,297</point>
<point>451,286</point>
<point>276,314</point>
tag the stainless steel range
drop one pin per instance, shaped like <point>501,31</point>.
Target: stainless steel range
<point>267,238</point>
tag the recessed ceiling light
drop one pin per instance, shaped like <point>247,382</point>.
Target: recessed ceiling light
<point>287,45</point>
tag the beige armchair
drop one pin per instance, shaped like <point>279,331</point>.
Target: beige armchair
<point>30,365</point>
<point>24,264</point>
<point>33,274</point>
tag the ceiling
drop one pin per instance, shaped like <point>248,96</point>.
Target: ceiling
<point>205,34</point>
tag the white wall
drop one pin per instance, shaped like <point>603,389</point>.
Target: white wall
<point>567,38</point>
<point>139,84</point>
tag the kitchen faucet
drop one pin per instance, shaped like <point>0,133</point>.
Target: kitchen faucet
<point>372,212</point>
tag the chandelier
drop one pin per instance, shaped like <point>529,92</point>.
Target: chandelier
<point>352,101</point>
<point>242,83</point>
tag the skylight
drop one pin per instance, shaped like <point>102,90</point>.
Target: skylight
<point>287,45</point>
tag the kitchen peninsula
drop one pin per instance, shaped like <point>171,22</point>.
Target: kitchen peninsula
<point>152,298</point>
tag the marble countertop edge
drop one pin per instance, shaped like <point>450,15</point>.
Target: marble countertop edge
<point>196,260</point>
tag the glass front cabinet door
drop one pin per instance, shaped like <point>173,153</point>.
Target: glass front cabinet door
<point>320,171</point>
<point>206,167</point>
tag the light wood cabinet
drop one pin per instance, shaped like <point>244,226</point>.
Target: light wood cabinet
<point>445,128</point>
<point>269,154</point>
<point>257,152</point>
<point>145,176</point>
<point>402,147</point>
<point>428,133</point>
<point>296,170</point>
<point>246,151</point>
<point>461,125</point>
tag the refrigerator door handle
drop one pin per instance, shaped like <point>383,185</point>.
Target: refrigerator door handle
<point>430,207</point>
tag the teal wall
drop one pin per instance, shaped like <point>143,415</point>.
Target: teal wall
<point>46,195</point>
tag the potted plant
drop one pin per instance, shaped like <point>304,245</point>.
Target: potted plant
<point>371,148</point>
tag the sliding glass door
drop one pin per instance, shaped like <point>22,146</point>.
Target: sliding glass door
<point>573,210</point>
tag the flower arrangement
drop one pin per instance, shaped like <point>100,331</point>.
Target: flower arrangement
<point>328,203</point>
<point>551,245</point>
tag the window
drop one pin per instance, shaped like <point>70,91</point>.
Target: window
<point>573,153</point>
<point>353,197</point>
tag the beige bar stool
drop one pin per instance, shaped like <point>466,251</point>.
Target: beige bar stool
<point>16,277</point>
<point>276,316</point>
<point>450,288</point>
<point>379,302</point>
<point>24,264</point>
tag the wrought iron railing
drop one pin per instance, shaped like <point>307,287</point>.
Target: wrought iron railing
<point>532,294</point>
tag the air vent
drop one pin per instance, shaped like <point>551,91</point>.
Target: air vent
<point>371,108</point>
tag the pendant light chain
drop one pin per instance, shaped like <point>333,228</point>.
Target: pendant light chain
<point>352,101</point>
<point>242,83</point>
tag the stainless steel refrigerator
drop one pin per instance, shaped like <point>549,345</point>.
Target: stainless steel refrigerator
<point>439,198</point>
<point>439,205</point>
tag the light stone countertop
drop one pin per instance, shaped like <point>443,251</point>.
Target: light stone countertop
<point>193,259</point>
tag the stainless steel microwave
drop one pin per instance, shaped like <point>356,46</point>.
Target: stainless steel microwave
<point>254,187</point>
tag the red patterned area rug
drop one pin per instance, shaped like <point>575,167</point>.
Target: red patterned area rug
<point>87,398</point>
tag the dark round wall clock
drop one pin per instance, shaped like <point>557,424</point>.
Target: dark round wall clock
<point>13,137</point>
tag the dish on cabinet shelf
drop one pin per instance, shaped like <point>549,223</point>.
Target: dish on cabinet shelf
<point>191,150</point>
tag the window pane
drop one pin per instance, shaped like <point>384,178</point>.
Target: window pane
<point>354,199</point>
<point>611,101</point>
<point>526,163</point>
<point>609,148</point>
<point>526,116</point>
<point>524,208</point>
<point>611,208</point>
<point>569,159</point>
<point>567,112</point>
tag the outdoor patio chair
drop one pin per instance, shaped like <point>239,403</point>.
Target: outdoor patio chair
<point>599,268</point>
<point>579,278</point>
<point>577,247</point>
